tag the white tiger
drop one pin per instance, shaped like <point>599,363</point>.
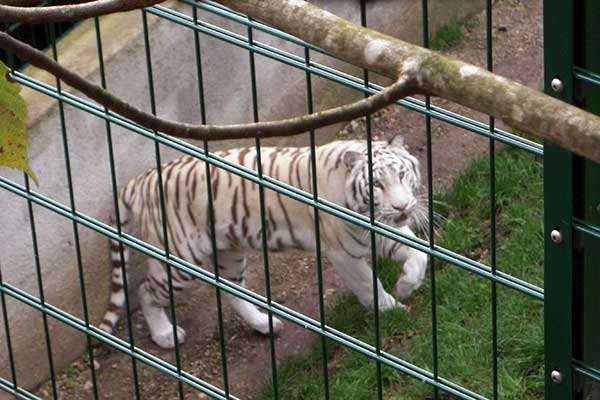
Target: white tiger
<point>342,178</point>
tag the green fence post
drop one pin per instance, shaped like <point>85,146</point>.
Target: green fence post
<point>558,206</point>
<point>572,205</point>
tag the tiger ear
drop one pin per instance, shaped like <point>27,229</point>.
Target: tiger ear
<point>396,141</point>
<point>350,158</point>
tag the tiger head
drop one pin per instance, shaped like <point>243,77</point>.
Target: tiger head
<point>396,179</point>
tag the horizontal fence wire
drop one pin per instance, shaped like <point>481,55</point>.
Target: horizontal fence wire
<point>18,392</point>
<point>333,74</point>
<point>277,186</point>
<point>287,190</point>
<point>114,342</point>
<point>311,68</point>
<point>586,228</point>
<point>586,76</point>
<point>208,277</point>
<point>589,372</point>
<point>337,76</point>
<point>290,315</point>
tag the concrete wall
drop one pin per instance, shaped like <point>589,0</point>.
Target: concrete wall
<point>281,93</point>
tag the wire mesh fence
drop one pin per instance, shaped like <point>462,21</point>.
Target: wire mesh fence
<point>484,269</point>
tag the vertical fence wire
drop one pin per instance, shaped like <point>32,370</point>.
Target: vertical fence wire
<point>431,227</point>
<point>65,141</point>
<point>263,223</point>
<point>40,285</point>
<point>374,263</point>
<point>163,211</point>
<point>315,190</point>
<point>38,270</point>
<point>9,349</point>
<point>215,261</point>
<point>211,211</point>
<point>492,160</point>
<point>113,179</point>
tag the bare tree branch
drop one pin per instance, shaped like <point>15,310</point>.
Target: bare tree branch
<point>68,12</point>
<point>293,126</point>
<point>521,107</point>
<point>415,69</point>
<point>27,3</point>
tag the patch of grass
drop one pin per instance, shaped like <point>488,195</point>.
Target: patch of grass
<point>71,372</point>
<point>448,36</point>
<point>463,304</point>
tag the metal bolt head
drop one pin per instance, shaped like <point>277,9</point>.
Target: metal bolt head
<point>556,376</point>
<point>556,236</point>
<point>557,85</point>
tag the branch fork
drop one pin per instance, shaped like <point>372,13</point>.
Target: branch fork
<point>415,70</point>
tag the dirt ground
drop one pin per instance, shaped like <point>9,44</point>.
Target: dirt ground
<point>518,54</point>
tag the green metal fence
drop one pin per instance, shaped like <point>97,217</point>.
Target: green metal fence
<point>571,196</point>
<point>572,40</point>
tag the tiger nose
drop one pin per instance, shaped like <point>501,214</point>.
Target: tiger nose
<point>399,207</point>
<point>404,206</point>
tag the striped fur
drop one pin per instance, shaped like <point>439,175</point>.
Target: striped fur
<point>342,177</point>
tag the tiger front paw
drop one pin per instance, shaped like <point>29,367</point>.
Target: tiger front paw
<point>263,326</point>
<point>404,288</point>
<point>388,302</point>
<point>165,339</point>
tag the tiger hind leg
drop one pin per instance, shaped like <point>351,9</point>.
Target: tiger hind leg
<point>154,297</point>
<point>232,266</point>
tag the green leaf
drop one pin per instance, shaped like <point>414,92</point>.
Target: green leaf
<point>13,114</point>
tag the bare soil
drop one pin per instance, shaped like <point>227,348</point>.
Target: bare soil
<point>517,31</point>
<point>293,284</point>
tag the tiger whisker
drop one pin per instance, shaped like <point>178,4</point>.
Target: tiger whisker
<point>420,217</point>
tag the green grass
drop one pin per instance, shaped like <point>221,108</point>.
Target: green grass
<point>463,304</point>
<point>448,36</point>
